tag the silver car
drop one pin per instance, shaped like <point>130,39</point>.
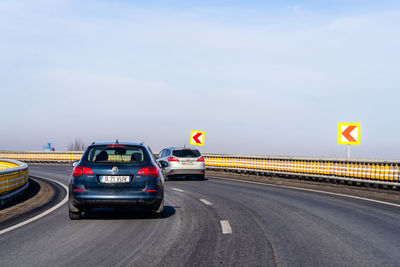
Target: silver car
<point>182,161</point>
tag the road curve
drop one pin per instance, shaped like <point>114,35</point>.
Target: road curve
<point>210,223</point>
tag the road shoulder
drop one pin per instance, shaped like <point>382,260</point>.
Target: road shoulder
<point>40,195</point>
<point>379,194</point>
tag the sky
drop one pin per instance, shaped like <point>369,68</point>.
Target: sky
<point>259,77</point>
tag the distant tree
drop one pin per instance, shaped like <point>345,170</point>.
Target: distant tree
<point>76,145</point>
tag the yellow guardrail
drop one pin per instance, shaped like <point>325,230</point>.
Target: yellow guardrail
<point>374,171</point>
<point>371,171</point>
<point>33,156</point>
<point>7,165</point>
<point>13,176</point>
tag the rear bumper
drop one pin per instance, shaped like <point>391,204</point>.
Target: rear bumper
<point>186,171</point>
<point>86,200</point>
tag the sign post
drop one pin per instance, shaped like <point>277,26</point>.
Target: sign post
<point>197,138</point>
<point>348,151</point>
<point>349,134</point>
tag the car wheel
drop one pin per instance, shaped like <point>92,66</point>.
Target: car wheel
<point>74,212</point>
<point>75,215</point>
<point>158,211</point>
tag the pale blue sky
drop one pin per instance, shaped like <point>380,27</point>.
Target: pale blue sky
<point>259,77</point>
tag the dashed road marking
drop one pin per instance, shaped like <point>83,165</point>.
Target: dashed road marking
<point>177,189</point>
<point>226,227</point>
<point>205,201</point>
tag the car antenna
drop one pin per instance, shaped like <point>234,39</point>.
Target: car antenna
<point>116,141</point>
<point>93,142</point>
<point>184,145</point>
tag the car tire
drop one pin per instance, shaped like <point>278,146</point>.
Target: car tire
<point>75,215</point>
<point>74,212</point>
<point>159,210</point>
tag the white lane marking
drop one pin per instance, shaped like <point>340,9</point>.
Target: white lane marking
<point>37,217</point>
<point>226,227</point>
<point>205,201</point>
<point>177,189</point>
<point>316,191</point>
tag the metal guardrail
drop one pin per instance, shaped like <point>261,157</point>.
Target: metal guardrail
<point>13,178</point>
<point>42,157</point>
<point>355,170</point>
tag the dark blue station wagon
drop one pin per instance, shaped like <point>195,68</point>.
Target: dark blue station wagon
<point>116,175</point>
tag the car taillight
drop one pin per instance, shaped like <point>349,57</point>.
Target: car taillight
<point>201,159</point>
<point>79,190</point>
<point>150,171</point>
<point>79,170</point>
<point>173,159</point>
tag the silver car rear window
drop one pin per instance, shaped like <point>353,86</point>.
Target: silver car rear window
<point>186,153</point>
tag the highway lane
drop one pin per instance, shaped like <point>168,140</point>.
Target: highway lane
<point>269,226</point>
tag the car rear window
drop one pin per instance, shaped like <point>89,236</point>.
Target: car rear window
<point>116,154</point>
<point>186,153</point>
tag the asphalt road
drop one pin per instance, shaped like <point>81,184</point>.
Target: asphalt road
<point>263,225</point>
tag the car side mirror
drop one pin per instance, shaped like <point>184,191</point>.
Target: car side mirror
<point>163,164</point>
<point>75,163</point>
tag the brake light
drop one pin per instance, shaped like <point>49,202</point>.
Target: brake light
<point>150,171</point>
<point>79,190</point>
<point>151,190</point>
<point>80,170</point>
<point>116,146</point>
<point>173,159</point>
<point>201,159</point>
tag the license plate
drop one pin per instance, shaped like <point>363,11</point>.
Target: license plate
<point>114,179</point>
<point>187,162</point>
